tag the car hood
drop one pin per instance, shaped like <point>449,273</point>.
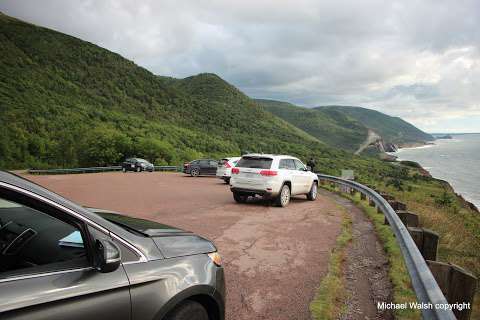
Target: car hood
<point>146,227</point>
<point>171,241</point>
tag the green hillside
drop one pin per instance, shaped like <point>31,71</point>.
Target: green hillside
<point>66,102</point>
<point>392,129</point>
<point>333,128</point>
<point>346,127</point>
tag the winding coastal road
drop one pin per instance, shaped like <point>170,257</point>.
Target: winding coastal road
<point>372,137</point>
<point>274,258</point>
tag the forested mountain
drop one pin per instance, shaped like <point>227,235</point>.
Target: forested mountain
<point>346,127</point>
<point>392,129</point>
<point>66,102</point>
<point>333,128</point>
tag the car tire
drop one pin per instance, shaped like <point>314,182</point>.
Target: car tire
<point>312,195</point>
<point>239,197</point>
<point>195,172</point>
<point>138,169</point>
<point>227,180</point>
<point>283,198</point>
<point>188,310</point>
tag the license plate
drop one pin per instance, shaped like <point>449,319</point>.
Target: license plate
<point>132,165</point>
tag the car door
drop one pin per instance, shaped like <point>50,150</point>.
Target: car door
<point>202,166</point>
<point>290,173</point>
<point>47,269</point>
<point>212,167</point>
<point>305,181</point>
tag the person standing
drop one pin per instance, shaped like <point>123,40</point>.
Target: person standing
<point>311,163</point>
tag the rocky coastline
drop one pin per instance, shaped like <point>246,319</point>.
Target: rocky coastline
<point>448,186</point>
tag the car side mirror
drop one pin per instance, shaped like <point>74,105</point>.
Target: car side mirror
<point>309,168</point>
<point>108,256</point>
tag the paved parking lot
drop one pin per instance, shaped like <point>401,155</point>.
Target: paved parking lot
<point>274,258</point>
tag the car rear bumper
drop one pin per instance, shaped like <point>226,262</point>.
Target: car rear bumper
<point>263,193</point>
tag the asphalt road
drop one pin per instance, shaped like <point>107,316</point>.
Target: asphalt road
<point>274,258</point>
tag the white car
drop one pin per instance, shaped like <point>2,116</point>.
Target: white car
<point>224,169</point>
<point>276,177</point>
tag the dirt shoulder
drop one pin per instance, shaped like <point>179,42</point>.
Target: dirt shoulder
<point>365,268</point>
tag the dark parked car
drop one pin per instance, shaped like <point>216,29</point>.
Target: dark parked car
<point>137,164</point>
<point>202,167</point>
<point>59,260</point>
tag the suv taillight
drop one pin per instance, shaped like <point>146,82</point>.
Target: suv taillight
<point>235,171</point>
<point>268,173</point>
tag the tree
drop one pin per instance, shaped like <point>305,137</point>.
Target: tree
<point>104,146</point>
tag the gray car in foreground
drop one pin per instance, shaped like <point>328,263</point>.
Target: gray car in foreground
<point>59,260</point>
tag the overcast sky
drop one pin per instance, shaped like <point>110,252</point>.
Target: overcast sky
<point>419,60</point>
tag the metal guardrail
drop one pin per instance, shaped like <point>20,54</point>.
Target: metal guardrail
<point>424,284</point>
<point>93,170</point>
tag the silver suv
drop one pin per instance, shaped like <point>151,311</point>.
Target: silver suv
<point>276,177</point>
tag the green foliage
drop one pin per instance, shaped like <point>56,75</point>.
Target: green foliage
<point>445,200</point>
<point>345,127</point>
<point>66,103</point>
<point>412,164</point>
<point>104,146</point>
<point>331,295</point>
<point>392,129</point>
<point>396,183</point>
<point>335,129</point>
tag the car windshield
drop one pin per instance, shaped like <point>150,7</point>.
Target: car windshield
<point>255,162</point>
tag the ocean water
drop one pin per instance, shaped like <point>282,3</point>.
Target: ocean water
<point>456,161</point>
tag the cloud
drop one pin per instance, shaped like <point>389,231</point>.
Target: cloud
<point>415,59</point>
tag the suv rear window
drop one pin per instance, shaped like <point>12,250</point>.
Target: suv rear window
<point>255,162</point>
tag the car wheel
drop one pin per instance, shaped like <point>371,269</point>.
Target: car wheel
<point>312,195</point>
<point>239,197</point>
<point>138,169</point>
<point>283,198</point>
<point>194,172</point>
<point>227,180</point>
<point>188,310</point>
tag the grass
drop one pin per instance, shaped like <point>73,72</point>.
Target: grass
<point>331,295</point>
<point>457,225</point>
<point>402,286</point>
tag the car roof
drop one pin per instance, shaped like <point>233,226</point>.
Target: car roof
<point>273,156</point>
<point>231,158</point>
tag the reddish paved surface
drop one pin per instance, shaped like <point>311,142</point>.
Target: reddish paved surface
<point>274,258</point>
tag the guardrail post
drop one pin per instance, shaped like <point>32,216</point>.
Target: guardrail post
<point>426,241</point>
<point>409,219</point>
<point>353,192</point>
<point>371,203</point>
<point>363,196</point>
<point>457,284</point>
<point>397,205</point>
<point>387,197</point>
